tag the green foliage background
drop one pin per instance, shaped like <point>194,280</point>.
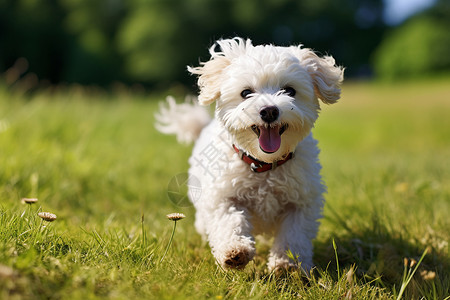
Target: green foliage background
<point>418,48</point>
<point>152,41</point>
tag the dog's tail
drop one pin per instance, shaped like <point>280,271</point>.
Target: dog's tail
<point>185,120</point>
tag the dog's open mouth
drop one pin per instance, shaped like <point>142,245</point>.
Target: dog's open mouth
<point>269,137</point>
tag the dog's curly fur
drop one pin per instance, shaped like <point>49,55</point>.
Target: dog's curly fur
<point>248,82</point>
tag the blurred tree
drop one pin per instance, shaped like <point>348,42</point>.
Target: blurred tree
<point>91,27</point>
<point>148,40</point>
<point>418,48</point>
<point>151,41</point>
<point>158,38</point>
<point>31,29</point>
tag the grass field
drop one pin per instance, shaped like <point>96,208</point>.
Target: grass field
<point>96,161</point>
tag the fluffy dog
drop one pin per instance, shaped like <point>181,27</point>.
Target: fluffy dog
<point>256,161</point>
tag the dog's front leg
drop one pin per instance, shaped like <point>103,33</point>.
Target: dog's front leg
<point>229,234</point>
<point>295,234</point>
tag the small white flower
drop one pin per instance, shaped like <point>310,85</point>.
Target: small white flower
<point>29,200</point>
<point>46,216</point>
<point>428,275</point>
<point>175,216</point>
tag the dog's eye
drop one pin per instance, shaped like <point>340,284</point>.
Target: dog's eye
<point>246,93</point>
<point>289,91</point>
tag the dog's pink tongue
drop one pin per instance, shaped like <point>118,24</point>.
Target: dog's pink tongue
<point>269,139</point>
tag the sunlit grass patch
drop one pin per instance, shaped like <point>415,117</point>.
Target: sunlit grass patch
<point>96,162</point>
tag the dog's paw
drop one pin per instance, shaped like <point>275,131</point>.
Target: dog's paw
<point>285,271</point>
<point>237,258</point>
<point>284,265</point>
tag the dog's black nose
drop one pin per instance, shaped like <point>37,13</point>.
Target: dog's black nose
<point>269,113</point>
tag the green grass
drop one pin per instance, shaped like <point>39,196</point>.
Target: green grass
<point>96,161</point>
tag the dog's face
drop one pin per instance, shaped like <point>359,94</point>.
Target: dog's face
<point>267,96</point>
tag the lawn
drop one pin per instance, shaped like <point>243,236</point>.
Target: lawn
<point>95,160</point>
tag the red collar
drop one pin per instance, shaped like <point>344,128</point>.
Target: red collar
<point>260,166</point>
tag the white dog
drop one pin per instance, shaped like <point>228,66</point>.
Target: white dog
<point>256,161</point>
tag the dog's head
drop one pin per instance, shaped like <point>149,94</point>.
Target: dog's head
<point>267,96</point>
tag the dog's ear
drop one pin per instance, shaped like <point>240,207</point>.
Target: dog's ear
<point>326,76</point>
<point>210,79</point>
